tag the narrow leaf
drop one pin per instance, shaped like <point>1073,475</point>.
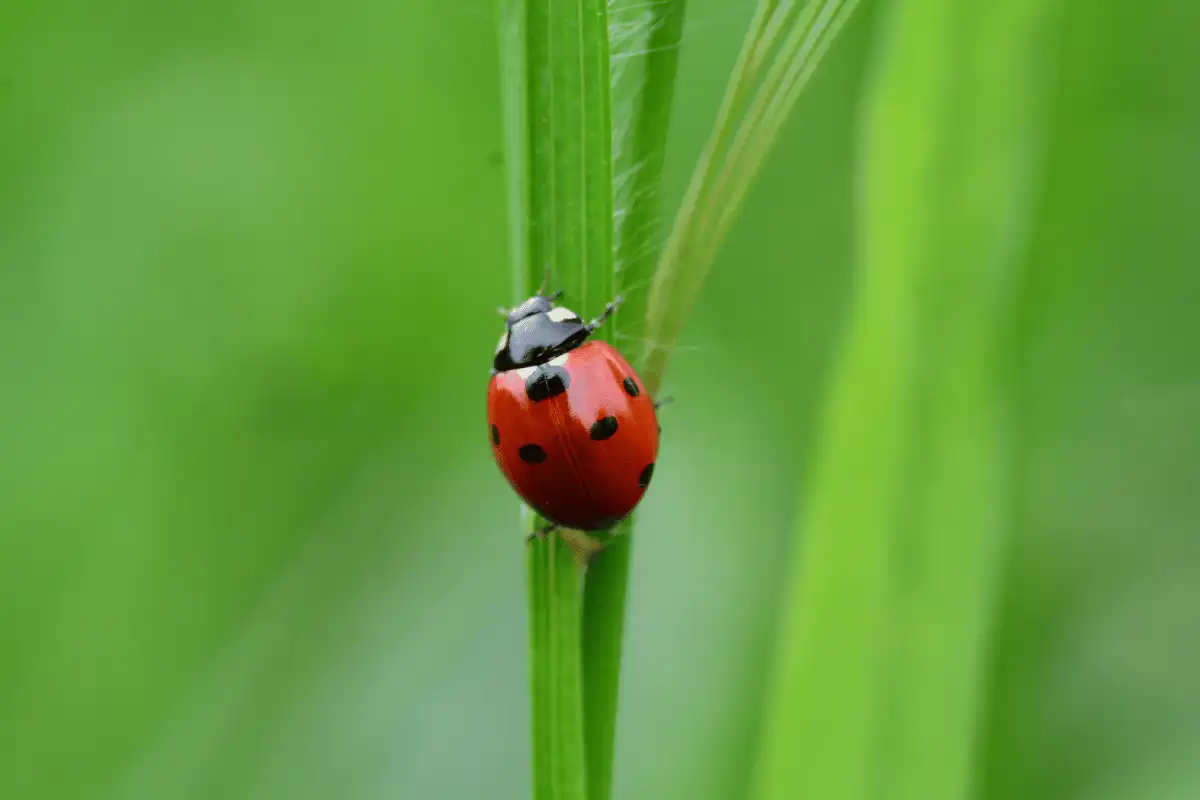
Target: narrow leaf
<point>901,534</point>
<point>783,48</point>
<point>558,138</point>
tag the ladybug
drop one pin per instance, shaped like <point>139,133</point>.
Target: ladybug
<point>572,427</point>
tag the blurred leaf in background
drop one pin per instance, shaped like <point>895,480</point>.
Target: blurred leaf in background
<point>252,544</point>
<point>1094,685</point>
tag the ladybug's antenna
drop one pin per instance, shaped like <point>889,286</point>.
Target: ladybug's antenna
<point>502,311</point>
<point>555,296</point>
<point>545,282</point>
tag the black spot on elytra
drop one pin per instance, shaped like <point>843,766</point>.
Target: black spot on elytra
<point>631,387</point>
<point>547,381</point>
<point>532,454</point>
<point>495,435</point>
<point>604,428</point>
<point>644,478</point>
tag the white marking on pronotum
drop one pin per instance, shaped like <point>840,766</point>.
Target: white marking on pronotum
<point>525,372</point>
<point>560,314</point>
<point>558,361</point>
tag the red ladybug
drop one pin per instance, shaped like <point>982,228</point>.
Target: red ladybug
<point>571,425</point>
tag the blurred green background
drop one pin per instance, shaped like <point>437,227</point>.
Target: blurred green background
<point>252,542</point>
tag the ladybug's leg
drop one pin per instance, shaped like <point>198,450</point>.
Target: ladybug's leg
<point>659,404</point>
<point>609,310</point>
<point>542,532</point>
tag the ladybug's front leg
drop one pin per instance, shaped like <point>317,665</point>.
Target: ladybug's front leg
<point>609,310</point>
<point>542,532</point>
<point>581,544</point>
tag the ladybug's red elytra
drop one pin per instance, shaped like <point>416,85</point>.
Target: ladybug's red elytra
<point>571,424</point>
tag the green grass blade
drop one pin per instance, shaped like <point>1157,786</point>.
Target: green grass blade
<point>570,175</point>
<point>603,634</point>
<point>644,44</point>
<point>540,657</point>
<point>672,292</point>
<point>515,110</point>
<point>558,141</point>
<point>813,33</point>
<point>645,41</point>
<point>885,632</point>
<point>783,47</point>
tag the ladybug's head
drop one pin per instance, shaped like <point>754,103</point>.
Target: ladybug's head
<point>537,331</point>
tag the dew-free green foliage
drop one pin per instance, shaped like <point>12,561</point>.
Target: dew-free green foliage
<point>560,169</point>
<point>252,544</point>
<point>891,601</point>
<point>559,764</point>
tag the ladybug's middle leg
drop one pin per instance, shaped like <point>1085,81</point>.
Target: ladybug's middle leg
<point>659,404</point>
